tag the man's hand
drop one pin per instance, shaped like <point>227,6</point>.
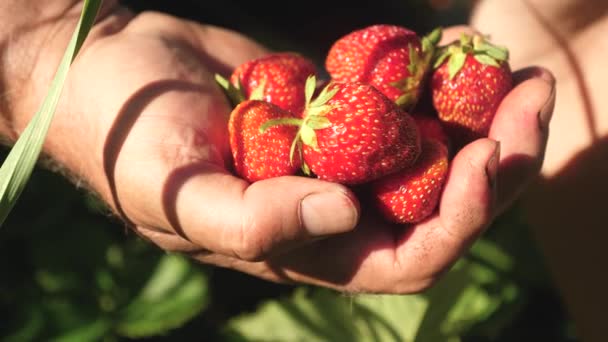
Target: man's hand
<point>143,123</point>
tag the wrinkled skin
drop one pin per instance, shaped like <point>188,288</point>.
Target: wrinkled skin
<point>151,138</point>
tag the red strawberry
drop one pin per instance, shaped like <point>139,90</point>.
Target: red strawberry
<point>471,79</point>
<point>430,128</point>
<point>278,78</point>
<point>391,58</point>
<point>411,195</point>
<point>259,155</point>
<point>352,134</point>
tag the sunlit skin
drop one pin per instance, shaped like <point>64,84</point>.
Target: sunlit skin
<point>566,207</point>
<point>144,125</point>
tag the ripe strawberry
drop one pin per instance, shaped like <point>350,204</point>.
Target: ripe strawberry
<point>278,78</point>
<point>259,155</point>
<point>411,195</point>
<point>430,128</point>
<point>471,79</point>
<point>391,58</point>
<point>352,134</point>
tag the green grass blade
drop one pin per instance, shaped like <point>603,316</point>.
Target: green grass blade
<point>18,166</point>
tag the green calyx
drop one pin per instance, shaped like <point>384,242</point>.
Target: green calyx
<point>313,119</point>
<point>476,45</point>
<point>236,94</point>
<point>420,64</point>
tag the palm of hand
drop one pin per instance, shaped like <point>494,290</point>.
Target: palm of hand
<point>157,151</point>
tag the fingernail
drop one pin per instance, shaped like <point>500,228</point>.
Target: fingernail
<point>328,213</point>
<point>546,112</point>
<point>492,165</point>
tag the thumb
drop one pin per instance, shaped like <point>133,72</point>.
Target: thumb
<point>226,215</point>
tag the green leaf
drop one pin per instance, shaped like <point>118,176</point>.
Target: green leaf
<point>32,324</point>
<point>258,92</point>
<point>405,100</point>
<point>492,255</point>
<point>309,88</point>
<point>465,39</point>
<point>279,121</point>
<point>309,137</point>
<point>175,293</point>
<point>486,60</point>
<point>326,94</point>
<point>442,57</point>
<point>222,82</point>
<point>498,53</point>
<point>232,92</point>
<point>414,60</point>
<point>305,167</point>
<point>456,63</point>
<point>430,41</point>
<point>319,110</point>
<point>318,122</point>
<point>93,331</point>
<point>323,315</point>
<point>470,294</point>
<point>296,143</point>
<point>18,166</point>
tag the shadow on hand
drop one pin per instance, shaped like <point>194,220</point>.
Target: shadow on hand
<point>118,134</point>
<point>336,260</point>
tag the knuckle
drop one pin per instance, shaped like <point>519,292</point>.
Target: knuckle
<point>249,246</point>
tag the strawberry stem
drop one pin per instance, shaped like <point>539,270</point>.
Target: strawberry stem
<point>430,41</point>
<point>294,143</point>
<point>280,121</point>
<point>233,93</point>
<point>420,64</point>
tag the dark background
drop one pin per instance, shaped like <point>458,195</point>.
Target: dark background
<point>307,26</point>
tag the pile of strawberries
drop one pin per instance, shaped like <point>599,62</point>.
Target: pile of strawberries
<point>397,106</point>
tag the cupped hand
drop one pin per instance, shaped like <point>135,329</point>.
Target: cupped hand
<point>144,125</point>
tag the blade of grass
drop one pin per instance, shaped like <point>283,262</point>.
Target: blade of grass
<point>19,164</point>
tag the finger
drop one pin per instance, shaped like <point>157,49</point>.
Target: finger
<point>226,215</point>
<point>521,125</point>
<point>453,33</point>
<point>399,259</point>
<point>469,191</point>
<point>172,242</point>
<point>228,47</point>
<point>465,210</point>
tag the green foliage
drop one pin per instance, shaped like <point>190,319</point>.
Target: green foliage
<point>470,293</point>
<point>75,276</point>
<point>173,295</point>
<point>18,166</point>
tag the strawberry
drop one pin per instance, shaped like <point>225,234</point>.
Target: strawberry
<point>391,58</point>
<point>351,134</point>
<point>471,78</point>
<point>259,155</point>
<point>278,78</point>
<point>411,195</point>
<point>430,128</point>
